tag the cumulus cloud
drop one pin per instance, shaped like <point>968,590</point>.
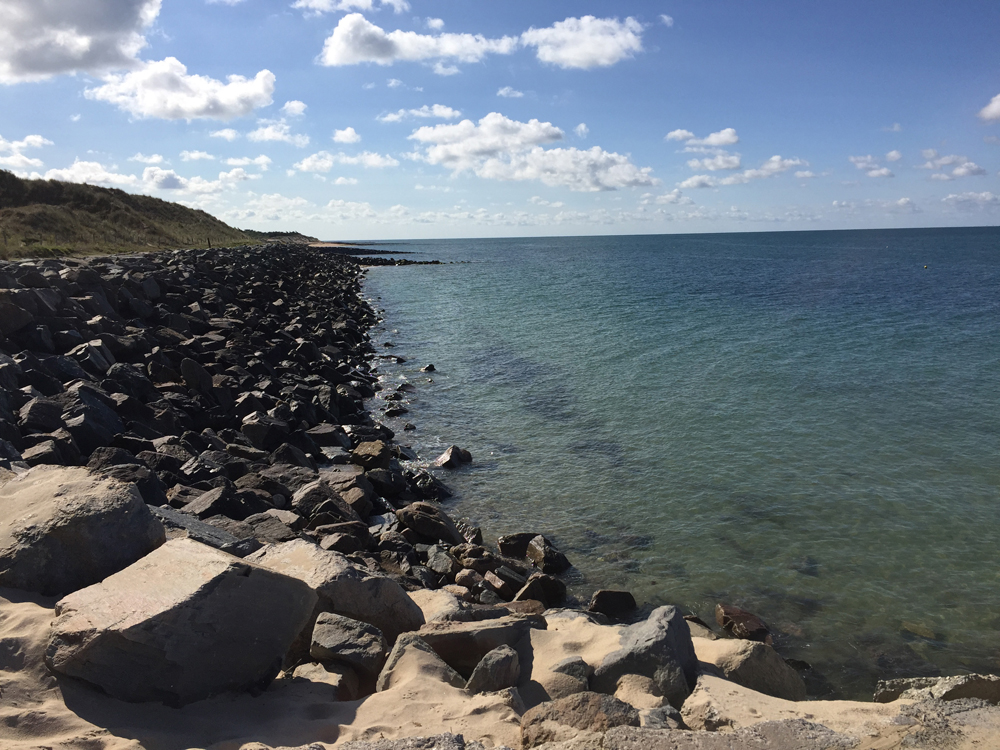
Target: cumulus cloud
<point>12,152</point>
<point>805,174</point>
<point>345,181</point>
<point>226,133</point>
<point>679,135</point>
<point>324,161</point>
<point>499,148</point>
<point>770,168</point>
<point>394,83</point>
<point>674,198</point>
<point>434,23</point>
<point>969,201</point>
<point>586,42</point>
<point>666,20</point>
<point>581,130</point>
<point>900,206</point>
<point>725,137</point>
<point>510,93</point>
<point>196,156</point>
<point>347,135</point>
<point>39,40</point>
<point>151,159</point>
<point>715,163</point>
<point>962,166</point>
<point>894,155</point>
<point>92,173</point>
<point>357,40</point>
<point>315,7</point>
<point>155,178</point>
<point>294,108</point>
<point>261,161</point>
<point>870,165</point>
<point>438,110</point>
<point>991,111</point>
<point>165,90</point>
<point>277,130</point>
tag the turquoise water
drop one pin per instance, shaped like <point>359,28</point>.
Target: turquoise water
<point>802,424</point>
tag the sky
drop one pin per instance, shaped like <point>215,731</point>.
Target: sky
<point>394,119</point>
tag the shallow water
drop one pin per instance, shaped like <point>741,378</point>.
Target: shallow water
<point>802,424</point>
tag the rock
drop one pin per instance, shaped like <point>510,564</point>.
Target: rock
<point>546,557</point>
<point>428,368</point>
<point>742,624</point>
<point>515,545</point>
<point>639,692</point>
<point>45,453</point>
<point>453,457</point>
<point>180,525</point>
<point>985,687</point>
<point>226,501</point>
<point>659,648</point>
<point>431,522</point>
<point>373,454</point>
<point>437,604</point>
<point>12,317</point>
<point>152,490</point>
<point>463,644</point>
<point>547,589</point>
<point>316,496</point>
<point>340,677</point>
<point>344,589</point>
<point>359,645</point>
<point>772,735</point>
<point>183,623</point>
<point>64,528</point>
<point>497,670</point>
<point>412,656</point>
<point>41,415</point>
<point>614,604</point>
<point>753,665</point>
<point>568,718</point>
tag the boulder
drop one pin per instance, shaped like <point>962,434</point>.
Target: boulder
<point>546,557</point>
<point>340,677</point>
<point>431,522</point>
<point>342,588</point>
<point>453,457</point>
<point>359,645</point>
<point>569,718</point>
<point>742,624</point>
<point>659,648</point>
<point>65,528</point>
<point>985,687</point>
<point>463,644</point>
<point>180,525</point>
<point>753,665</point>
<point>373,454</point>
<point>615,604</point>
<point>498,670</point>
<point>412,657</point>
<point>183,623</point>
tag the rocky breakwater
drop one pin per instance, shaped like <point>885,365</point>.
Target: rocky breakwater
<point>196,510</point>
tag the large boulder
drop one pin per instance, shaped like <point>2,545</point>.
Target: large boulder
<point>64,528</point>
<point>183,623</point>
<point>498,670</point>
<point>463,644</point>
<point>343,588</point>
<point>574,717</point>
<point>753,665</point>
<point>659,648</point>
<point>340,639</point>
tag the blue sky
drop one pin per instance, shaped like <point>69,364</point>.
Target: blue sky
<point>364,119</point>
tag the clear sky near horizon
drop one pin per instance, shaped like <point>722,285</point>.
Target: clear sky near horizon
<point>355,119</point>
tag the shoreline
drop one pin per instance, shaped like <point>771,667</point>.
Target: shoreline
<point>245,431</point>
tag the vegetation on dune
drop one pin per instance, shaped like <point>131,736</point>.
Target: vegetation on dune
<point>48,217</point>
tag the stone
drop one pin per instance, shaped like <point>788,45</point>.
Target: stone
<point>361,646</point>
<point>498,670</point>
<point>797,734</point>
<point>639,692</point>
<point>343,679</point>
<point>453,457</point>
<point>431,522</point>
<point>659,648</point>
<point>183,525</point>
<point>984,687</point>
<point>547,589</point>
<point>614,604</point>
<point>12,317</point>
<point>182,624</point>
<point>64,528</point>
<point>412,655</point>
<point>463,644</point>
<point>742,624</point>
<point>45,453</point>
<point>374,454</point>
<point>151,488</point>
<point>753,665</point>
<point>567,718</point>
<point>226,501</point>
<point>310,498</point>
<point>515,545</point>
<point>546,557</point>
<point>41,415</point>
<point>344,589</point>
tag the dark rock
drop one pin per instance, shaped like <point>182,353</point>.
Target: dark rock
<point>564,719</point>
<point>41,415</point>
<point>289,454</point>
<point>515,545</point>
<point>372,455</point>
<point>546,557</point>
<point>742,624</point>
<point>151,487</point>
<point>103,458</point>
<point>498,670</point>
<point>616,604</point>
<point>180,525</point>
<point>431,522</point>
<point>361,646</point>
<point>453,457</point>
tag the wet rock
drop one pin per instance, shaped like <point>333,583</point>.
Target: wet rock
<point>546,557</point>
<point>453,457</point>
<point>616,604</point>
<point>184,623</point>
<point>515,545</point>
<point>742,624</point>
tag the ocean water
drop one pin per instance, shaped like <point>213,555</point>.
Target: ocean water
<point>803,424</point>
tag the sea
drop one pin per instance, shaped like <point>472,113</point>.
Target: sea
<point>802,424</point>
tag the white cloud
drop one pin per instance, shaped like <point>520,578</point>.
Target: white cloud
<point>894,128</point>
<point>155,178</point>
<point>900,206</point>
<point>968,169</point>
<point>164,89</point>
<point>963,167</point>
<point>272,207</point>
<point>871,166</point>
<point>581,130</point>
<point>75,118</point>
<point>394,83</point>
<point>398,6</point>
<point>345,181</point>
<point>315,7</point>
<point>805,174</point>
<point>39,40</point>
<point>770,168</point>
<point>445,70</point>
<point>510,93</point>
<point>357,40</point>
<point>586,42</point>
<point>434,23</point>
<point>226,133</point>
<point>225,2</point>
<point>12,156</point>
<point>438,110</point>
<point>880,172</point>
<point>666,20</point>
<point>196,156</point>
<point>324,161</point>
<point>92,173</point>
<point>991,111</point>
<point>277,130</point>
<point>499,148</point>
<point>674,198</point>
<point>679,135</point>
<point>969,201</point>
<point>294,108</point>
<point>151,159</point>
<point>725,137</point>
<point>347,135</point>
<point>539,201</point>
<point>894,155</point>
<point>261,161</point>
<point>720,161</point>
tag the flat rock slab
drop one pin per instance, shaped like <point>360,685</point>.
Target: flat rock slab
<point>773,735</point>
<point>183,623</point>
<point>63,528</point>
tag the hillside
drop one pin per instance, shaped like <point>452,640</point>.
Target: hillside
<point>47,217</point>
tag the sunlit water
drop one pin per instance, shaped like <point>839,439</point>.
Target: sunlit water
<point>802,424</point>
